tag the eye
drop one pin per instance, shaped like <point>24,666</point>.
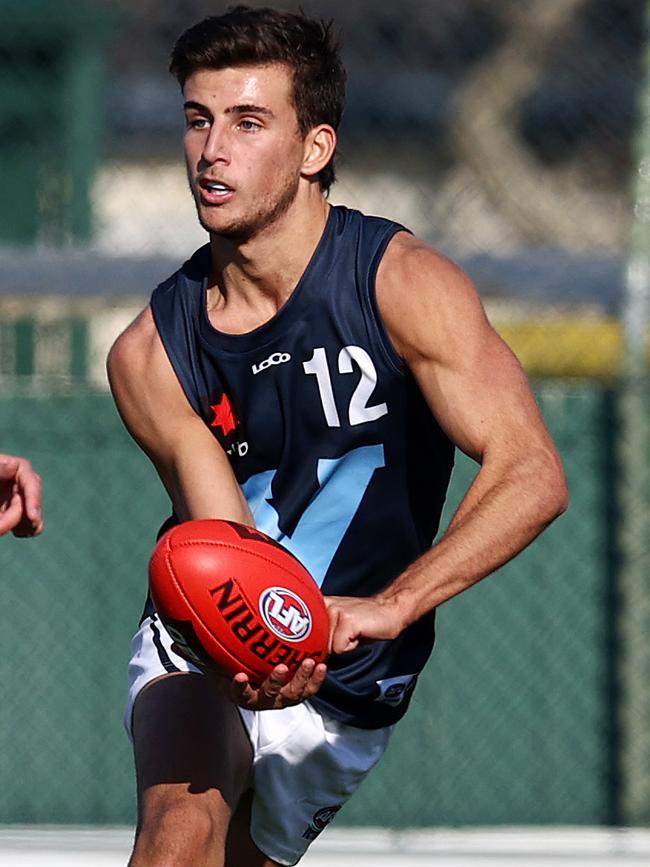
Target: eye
<point>197,123</point>
<point>249,125</point>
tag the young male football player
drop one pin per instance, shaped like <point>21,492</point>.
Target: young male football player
<point>310,371</point>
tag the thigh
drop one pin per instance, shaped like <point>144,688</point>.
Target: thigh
<point>241,851</point>
<point>192,758</point>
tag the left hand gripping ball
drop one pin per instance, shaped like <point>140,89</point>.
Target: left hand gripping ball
<point>235,600</point>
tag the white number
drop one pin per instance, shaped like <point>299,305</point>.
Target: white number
<point>317,365</point>
<point>358,411</point>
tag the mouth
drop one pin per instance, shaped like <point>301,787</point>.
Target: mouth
<point>215,192</point>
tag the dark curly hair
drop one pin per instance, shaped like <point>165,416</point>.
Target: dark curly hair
<point>244,35</point>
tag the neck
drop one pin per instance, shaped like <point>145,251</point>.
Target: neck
<point>270,264</point>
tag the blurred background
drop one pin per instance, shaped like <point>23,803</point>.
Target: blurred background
<point>513,136</point>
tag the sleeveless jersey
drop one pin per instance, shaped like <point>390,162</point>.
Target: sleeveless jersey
<point>336,451</point>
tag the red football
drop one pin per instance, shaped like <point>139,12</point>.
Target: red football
<point>233,599</point>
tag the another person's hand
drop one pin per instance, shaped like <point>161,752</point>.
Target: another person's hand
<point>278,690</point>
<point>20,497</point>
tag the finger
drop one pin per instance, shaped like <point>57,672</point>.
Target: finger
<point>242,691</point>
<point>8,467</point>
<point>315,681</point>
<point>240,683</point>
<point>10,517</point>
<point>30,485</point>
<point>306,682</point>
<point>27,526</point>
<point>344,636</point>
<point>271,687</point>
<point>344,640</point>
<point>294,690</point>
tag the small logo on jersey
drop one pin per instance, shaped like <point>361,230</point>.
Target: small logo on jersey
<point>285,614</point>
<point>276,358</point>
<point>224,416</point>
<point>320,821</point>
<point>238,448</point>
<point>393,690</point>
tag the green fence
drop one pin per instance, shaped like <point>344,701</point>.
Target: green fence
<point>51,122</point>
<point>69,601</point>
<point>514,721</point>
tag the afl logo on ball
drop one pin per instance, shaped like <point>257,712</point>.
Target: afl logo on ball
<point>285,614</point>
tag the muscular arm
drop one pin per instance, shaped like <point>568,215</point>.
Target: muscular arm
<point>479,394</point>
<point>190,462</point>
<point>195,471</point>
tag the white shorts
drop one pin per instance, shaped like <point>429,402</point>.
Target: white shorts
<point>305,764</point>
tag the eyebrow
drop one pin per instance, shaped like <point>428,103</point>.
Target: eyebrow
<point>246,108</point>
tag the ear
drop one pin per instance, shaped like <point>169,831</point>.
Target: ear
<point>320,144</point>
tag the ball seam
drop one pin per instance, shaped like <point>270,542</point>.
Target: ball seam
<point>188,543</point>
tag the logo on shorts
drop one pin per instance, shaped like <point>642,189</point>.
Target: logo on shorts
<point>393,690</point>
<point>320,820</point>
<point>185,642</point>
<point>285,614</point>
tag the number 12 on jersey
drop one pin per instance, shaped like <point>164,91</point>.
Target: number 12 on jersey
<point>359,410</point>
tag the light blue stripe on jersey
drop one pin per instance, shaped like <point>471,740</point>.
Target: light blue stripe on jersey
<point>342,484</point>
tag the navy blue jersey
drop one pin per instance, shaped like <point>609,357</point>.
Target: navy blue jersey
<point>329,437</point>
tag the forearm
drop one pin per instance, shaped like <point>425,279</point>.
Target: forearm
<point>214,497</point>
<point>201,484</point>
<point>502,512</point>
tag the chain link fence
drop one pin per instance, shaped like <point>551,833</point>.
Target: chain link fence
<point>503,133</point>
<point>511,723</point>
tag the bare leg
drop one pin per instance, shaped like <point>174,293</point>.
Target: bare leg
<point>240,849</point>
<point>192,760</point>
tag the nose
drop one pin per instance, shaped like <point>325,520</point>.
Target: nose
<point>216,148</point>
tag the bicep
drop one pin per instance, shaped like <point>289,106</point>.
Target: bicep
<point>472,382</point>
<point>480,396</point>
<point>190,462</point>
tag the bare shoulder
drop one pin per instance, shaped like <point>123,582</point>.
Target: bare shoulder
<point>426,299</point>
<point>473,383</point>
<point>132,349</point>
<point>142,381</point>
<point>138,362</point>
<point>407,254</point>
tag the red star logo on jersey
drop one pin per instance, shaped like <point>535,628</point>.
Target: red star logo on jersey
<point>224,417</point>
